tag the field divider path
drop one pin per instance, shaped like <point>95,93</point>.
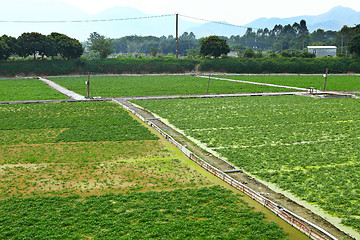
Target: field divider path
<point>255,83</point>
<point>62,90</point>
<point>308,228</point>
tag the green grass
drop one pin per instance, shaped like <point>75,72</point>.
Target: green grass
<point>333,83</point>
<point>307,146</point>
<point>26,89</point>
<point>156,85</point>
<point>206,213</point>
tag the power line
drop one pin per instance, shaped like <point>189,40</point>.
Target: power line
<point>87,21</point>
<point>217,22</point>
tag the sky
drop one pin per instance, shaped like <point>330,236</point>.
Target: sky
<point>238,12</point>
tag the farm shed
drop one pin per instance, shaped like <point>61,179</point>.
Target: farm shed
<point>323,51</point>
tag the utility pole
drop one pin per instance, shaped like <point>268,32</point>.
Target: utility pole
<point>88,86</point>
<point>207,90</point>
<point>177,35</point>
<point>325,75</point>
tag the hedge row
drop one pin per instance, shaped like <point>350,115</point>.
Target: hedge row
<point>282,65</point>
<point>102,66</point>
<point>172,65</point>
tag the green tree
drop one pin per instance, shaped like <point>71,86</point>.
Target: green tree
<point>4,50</point>
<point>33,44</point>
<point>101,44</point>
<point>67,47</point>
<point>10,43</point>
<point>214,46</point>
<point>153,51</point>
<point>249,53</point>
<point>354,44</point>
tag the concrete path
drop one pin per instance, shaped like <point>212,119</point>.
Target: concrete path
<point>256,83</point>
<point>206,96</point>
<point>62,90</point>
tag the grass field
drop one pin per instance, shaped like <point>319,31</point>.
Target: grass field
<point>307,146</point>
<point>26,89</point>
<point>87,170</point>
<point>156,85</point>
<point>333,83</point>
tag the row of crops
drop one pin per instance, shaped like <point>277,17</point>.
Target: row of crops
<point>304,145</point>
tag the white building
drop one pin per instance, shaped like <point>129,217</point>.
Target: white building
<point>323,51</point>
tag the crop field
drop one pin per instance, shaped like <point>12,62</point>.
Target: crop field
<point>307,146</point>
<point>124,86</point>
<point>88,170</point>
<point>26,89</point>
<point>204,213</point>
<point>333,83</point>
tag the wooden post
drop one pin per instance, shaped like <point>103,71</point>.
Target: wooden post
<point>177,35</point>
<point>88,86</point>
<point>207,90</point>
<point>326,74</point>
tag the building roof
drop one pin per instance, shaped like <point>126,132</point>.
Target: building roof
<point>323,47</point>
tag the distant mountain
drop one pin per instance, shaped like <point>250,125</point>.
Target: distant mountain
<point>334,19</point>
<point>143,24</point>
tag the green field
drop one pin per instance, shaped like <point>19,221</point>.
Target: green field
<point>333,83</point>
<point>88,170</point>
<point>305,145</point>
<point>204,213</point>
<point>70,122</point>
<point>156,85</point>
<point>26,89</point>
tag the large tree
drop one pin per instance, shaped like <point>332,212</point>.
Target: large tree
<point>7,47</point>
<point>34,44</point>
<point>67,47</point>
<point>214,46</point>
<point>101,44</point>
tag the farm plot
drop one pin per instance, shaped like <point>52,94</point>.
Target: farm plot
<point>27,89</point>
<point>334,82</point>
<point>307,146</point>
<point>156,85</point>
<point>58,182</point>
<point>204,213</point>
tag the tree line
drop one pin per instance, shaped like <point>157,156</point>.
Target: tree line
<point>39,45</point>
<point>288,40</point>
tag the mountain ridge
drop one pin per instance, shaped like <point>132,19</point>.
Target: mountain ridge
<point>333,20</point>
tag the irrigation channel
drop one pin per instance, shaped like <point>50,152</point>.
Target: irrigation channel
<point>299,217</point>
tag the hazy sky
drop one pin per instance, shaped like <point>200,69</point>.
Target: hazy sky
<point>237,12</point>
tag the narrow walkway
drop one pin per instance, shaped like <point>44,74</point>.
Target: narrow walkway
<point>62,90</point>
<point>256,83</point>
<point>219,95</point>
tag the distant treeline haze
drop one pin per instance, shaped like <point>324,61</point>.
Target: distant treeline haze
<point>280,38</point>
